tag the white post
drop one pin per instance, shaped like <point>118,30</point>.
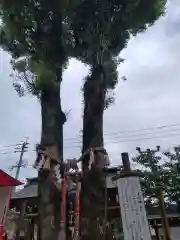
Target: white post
<point>133,213</point>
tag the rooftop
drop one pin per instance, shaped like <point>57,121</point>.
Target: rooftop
<point>30,190</point>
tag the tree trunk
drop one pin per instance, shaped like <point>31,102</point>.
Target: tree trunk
<point>93,184</point>
<point>164,218</point>
<point>52,135</point>
<point>53,119</point>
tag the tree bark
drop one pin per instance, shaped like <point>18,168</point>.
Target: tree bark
<point>53,119</point>
<point>94,100</point>
<point>52,135</point>
<point>164,218</point>
<point>93,183</point>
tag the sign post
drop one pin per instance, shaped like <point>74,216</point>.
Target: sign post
<point>133,213</point>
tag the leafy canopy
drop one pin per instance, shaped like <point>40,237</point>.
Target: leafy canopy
<point>107,25</point>
<point>101,29</point>
<point>173,163</point>
<point>31,77</point>
<point>155,174</point>
<point>36,35</point>
<point>160,171</point>
<point>33,29</point>
<point>90,30</point>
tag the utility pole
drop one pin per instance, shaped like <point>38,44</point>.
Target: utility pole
<point>20,162</point>
<point>160,197</point>
<point>18,166</point>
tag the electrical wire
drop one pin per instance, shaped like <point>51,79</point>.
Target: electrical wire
<point>127,136</point>
<point>12,145</point>
<point>120,139</point>
<point>129,133</point>
<point>133,130</point>
<point>2,150</point>
<point>145,129</point>
<point>8,152</point>
<point>114,133</point>
<point>130,139</point>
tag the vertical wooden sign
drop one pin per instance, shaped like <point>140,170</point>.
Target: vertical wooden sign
<point>133,213</point>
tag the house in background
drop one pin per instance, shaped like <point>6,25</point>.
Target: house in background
<point>25,201</point>
<point>7,183</point>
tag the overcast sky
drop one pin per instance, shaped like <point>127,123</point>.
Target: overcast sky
<point>149,99</point>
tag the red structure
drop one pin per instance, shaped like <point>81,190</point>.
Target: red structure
<point>6,185</point>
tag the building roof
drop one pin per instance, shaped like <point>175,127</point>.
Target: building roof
<point>6,180</point>
<point>30,190</point>
<point>27,192</point>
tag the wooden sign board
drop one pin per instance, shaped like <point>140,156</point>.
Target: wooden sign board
<point>133,213</point>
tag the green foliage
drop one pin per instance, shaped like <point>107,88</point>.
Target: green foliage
<point>92,31</point>
<point>173,186</point>
<point>107,25</point>
<point>156,174</point>
<point>102,79</point>
<point>31,77</point>
<point>101,29</point>
<point>33,29</point>
<point>36,35</point>
<point>161,171</point>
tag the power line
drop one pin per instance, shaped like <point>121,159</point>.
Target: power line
<point>12,145</point>
<point>13,148</point>
<point>10,149</point>
<point>120,141</point>
<point>122,138</point>
<point>145,129</point>
<point>16,149</point>
<point>113,133</point>
<point>126,136</point>
<point>2,150</point>
<point>8,152</point>
<point>134,130</point>
<point>147,138</point>
<point>132,138</point>
<point>146,133</point>
<point>138,139</point>
<point>20,163</point>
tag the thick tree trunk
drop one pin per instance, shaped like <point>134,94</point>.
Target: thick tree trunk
<point>52,126</point>
<point>52,119</point>
<point>93,184</point>
<point>52,135</point>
